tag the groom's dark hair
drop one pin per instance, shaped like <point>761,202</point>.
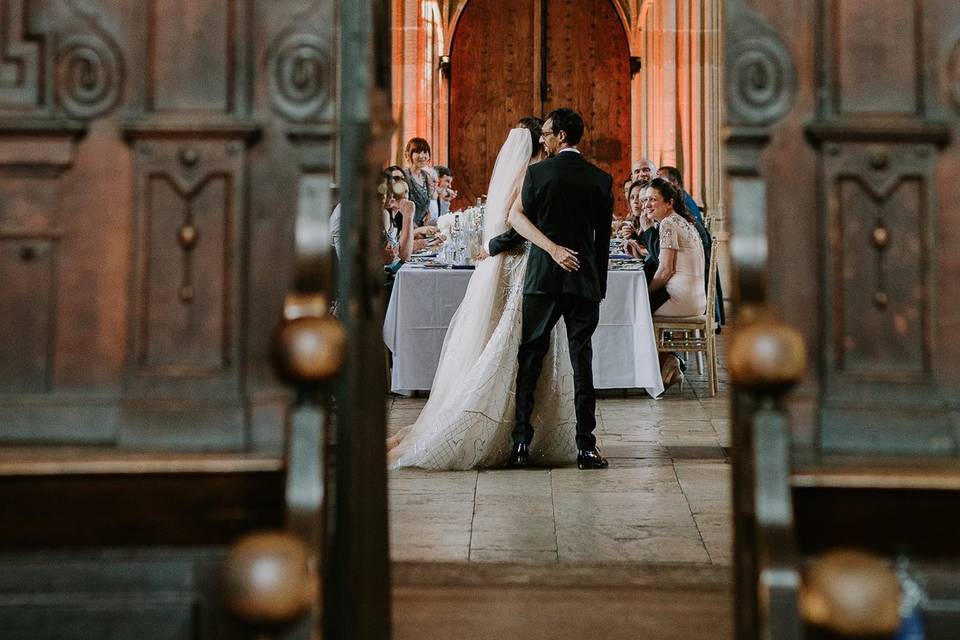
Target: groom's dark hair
<point>568,121</point>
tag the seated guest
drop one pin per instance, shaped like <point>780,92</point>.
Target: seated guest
<point>673,176</point>
<point>635,223</point>
<point>398,214</point>
<point>645,242</point>
<point>681,270</point>
<point>420,177</point>
<point>420,233</point>
<point>626,189</point>
<point>619,215</point>
<point>643,170</point>
<point>393,179</point>
<point>445,191</point>
<point>396,226</point>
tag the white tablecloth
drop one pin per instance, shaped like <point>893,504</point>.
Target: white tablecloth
<point>424,300</point>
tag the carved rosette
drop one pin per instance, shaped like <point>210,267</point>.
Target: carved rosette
<point>300,76</point>
<point>89,75</point>
<point>761,77</point>
<point>761,81</point>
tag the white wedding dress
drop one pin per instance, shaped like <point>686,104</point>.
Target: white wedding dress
<point>468,419</point>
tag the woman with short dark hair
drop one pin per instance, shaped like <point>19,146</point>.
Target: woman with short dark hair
<point>420,177</point>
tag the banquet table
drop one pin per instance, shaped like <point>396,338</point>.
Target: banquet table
<point>424,301</point>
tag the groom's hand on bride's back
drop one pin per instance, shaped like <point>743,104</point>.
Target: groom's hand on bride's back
<point>566,258</point>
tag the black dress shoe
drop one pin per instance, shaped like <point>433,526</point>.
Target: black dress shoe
<point>591,459</point>
<point>520,456</point>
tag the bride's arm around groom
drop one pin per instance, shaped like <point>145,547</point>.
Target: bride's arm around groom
<point>566,258</point>
<point>522,228</point>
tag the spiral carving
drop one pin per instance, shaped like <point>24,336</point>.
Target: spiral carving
<point>300,77</point>
<point>89,76</point>
<point>762,80</point>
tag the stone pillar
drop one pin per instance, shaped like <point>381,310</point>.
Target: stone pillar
<point>405,29</point>
<point>679,99</point>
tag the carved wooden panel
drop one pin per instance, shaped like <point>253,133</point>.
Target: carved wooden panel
<point>196,55</point>
<point>300,69</point>
<point>58,58</point>
<point>879,139</point>
<point>880,390</point>
<point>851,236</point>
<point>876,52</point>
<point>189,235</point>
<point>879,263</point>
<point>27,271</point>
<point>493,83</point>
<point>131,157</point>
<point>21,58</point>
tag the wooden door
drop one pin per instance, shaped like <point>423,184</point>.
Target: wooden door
<point>516,58</point>
<point>588,69</point>
<point>493,84</point>
<point>152,157</point>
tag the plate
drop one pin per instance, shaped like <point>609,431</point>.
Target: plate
<point>428,264</point>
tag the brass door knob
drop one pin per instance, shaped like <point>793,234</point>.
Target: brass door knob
<point>268,578</point>
<point>310,349</point>
<point>767,354</point>
<point>851,592</point>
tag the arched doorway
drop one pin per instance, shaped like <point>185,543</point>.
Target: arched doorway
<point>514,58</point>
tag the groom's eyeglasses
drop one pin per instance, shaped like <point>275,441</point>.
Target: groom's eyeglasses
<point>546,132</point>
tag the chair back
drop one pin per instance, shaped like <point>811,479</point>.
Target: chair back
<point>712,286</point>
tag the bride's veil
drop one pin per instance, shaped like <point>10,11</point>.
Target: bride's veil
<point>477,316</point>
<point>506,181</point>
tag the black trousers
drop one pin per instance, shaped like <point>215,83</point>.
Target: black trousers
<point>541,312</point>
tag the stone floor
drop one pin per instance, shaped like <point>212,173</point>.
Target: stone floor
<point>665,497</point>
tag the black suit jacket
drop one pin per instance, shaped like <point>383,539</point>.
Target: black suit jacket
<point>504,242</point>
<point>571,201</point>
<point>651,240</point>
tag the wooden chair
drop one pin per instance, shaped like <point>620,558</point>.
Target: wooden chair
<point>694,333</point>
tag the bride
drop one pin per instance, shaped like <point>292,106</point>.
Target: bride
<point>468,419</point>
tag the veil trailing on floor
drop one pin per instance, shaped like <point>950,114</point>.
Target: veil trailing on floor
<point>472,324</point>
<point>479,313</point>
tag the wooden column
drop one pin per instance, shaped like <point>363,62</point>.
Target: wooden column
<point>357,601</point>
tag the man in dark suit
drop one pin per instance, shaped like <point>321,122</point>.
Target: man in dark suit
<point>571,201</point>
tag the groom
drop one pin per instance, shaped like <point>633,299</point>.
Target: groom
<point>571,201</point>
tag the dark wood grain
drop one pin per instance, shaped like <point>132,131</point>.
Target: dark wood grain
<point>121,123</point>
<point>492,86</point>
<point>123,509</point>
<point>588,69</point>
<point>495,81</point>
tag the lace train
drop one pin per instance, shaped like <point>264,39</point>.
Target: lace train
<point>468,420</point>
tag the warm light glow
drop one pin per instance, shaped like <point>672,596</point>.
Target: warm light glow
<point>432,48</point>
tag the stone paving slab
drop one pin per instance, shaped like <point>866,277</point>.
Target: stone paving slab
<point>666,497</point>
